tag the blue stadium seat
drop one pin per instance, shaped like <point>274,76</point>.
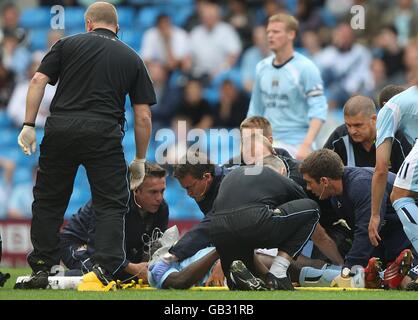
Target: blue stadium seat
<point>72,208</point>
<point>81,177</point>
<point>221,149</point>
<point>126,17</point>
<point>180,15</point>
<point>129,140</point>
<point>4,119</point>
<point>22,175</point>
<point>74,18</point>
<point>211,94</point>
<point>129,115</point>
<point>39,135</point>
<point>328,18</point>
<point>129,153</point>
<point>73,31</point>
<point>9,137</point>
<point>35,18</point>
<point>23,160</point>
<point>187,209</point>
<point>38,39</point>
<point>234,75</point>
<point>81,192</point>
<point>147,17</point>
<point>188,3</point>
<point>151,151</point>
<point>181,206</point>
<point>12,153</point>
<point>291,6</point>
<point>131,37</point>
<point>139,2</point>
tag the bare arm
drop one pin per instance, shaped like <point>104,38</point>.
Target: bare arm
<point>327,246</point>
<point>191,274</point>
<point>143,128</point>
<point>9,168</point>
<point>35,94</point>
<point>138,269</point>
<point>306,146</point>
<point>379,182</point>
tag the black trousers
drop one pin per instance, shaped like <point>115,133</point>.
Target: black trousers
<point>77,257</point>
<point>74,254</point>
<point>95,144</point>
<point>238,232</point>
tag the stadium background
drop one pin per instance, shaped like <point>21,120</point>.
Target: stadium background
<point>137,16</point>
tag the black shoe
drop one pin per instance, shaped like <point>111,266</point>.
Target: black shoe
<point>3,278</point>
<point>243,279</point>
<point>38,280</point>
<point>274,283</point>
<point>412,286</point>
<point>104,277</point>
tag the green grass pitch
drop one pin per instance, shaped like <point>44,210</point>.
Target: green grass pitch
<point>8,293</point>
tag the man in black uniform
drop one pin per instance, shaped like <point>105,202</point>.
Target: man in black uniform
<point>201,180</point>
<point>354,141</point>
<point>3,277</point>
<point>350,192</point>
<point>265,210</point>
<point>94,71</point>
<point>255,149</point>
<point>147,216</point>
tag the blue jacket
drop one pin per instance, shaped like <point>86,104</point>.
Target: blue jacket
<point>198,237</point>
<point>81,228</point>
<point>354,206</point>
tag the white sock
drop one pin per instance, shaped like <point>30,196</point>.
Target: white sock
<point>279,267</point>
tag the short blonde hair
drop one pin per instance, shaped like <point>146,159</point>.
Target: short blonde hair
<point>290,21</point>
<point>102,12</point>
<point>275,163</point>
<point>257,122</point>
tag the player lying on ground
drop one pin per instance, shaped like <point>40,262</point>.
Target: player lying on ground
<point>201,269</point>
<point>399,274</point>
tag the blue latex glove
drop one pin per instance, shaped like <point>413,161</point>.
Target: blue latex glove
<point>157,271</point>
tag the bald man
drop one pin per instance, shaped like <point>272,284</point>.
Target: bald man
<point>354,141</point>
<point>94,71</point>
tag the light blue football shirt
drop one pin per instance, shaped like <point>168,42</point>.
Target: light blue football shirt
<point>178,266</point>
<point>289,96</point>
<point>399,113</point>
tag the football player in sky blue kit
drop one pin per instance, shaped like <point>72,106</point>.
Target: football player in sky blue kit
<point>195,270</point>
<point>399,113</point>
<point>288,90</point>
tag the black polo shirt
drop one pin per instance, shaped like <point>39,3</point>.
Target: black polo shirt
<point>239,189</point>
<point>206,203</point>
<point>82,225</point>
<point>354,155</point>
<point>95,71</point>
<point>139,223</point>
